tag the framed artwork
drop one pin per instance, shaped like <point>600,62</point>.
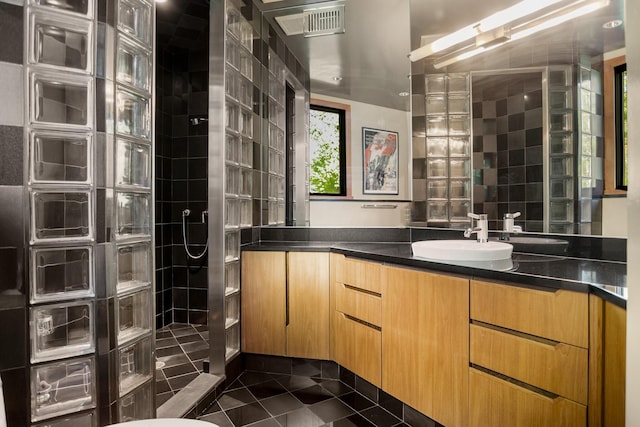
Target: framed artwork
<point>380,161</point>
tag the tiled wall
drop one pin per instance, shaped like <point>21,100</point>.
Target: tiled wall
<point>13,311</point>
<point>507,149</point>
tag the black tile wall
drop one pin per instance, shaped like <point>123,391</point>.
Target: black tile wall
<point>507,123</point>
<point>11,147</point>
<point>11,28</point>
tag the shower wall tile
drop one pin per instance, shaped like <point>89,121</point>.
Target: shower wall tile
<point>11,147</point>
<point>11,28</point>
<point>12,88</point>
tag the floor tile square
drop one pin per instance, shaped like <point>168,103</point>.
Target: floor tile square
<point>354,420</point>
<point>356,401</point>
<point>235,398</point>
<point>266,389</point>
<point>269,422</point>
<point>183,339</point>
<point>281,404</point>
<point>380,417</point>
<point>178,383</point>
<point>313,394</point>
<point>331,410</point>
<point>247,414</point>
<point>163,397</point>
<point>250,377</point>
<point>295,382</point>
<point>336,387</point>
<point>177,370</point>
<point>219,418</point>
<point>302,417</point>
<point>168,351</point>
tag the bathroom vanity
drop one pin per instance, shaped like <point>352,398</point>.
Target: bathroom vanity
<point>542,344</point>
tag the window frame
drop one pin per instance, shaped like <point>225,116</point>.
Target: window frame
<point>344,112</point>
<point>611,187</point>
<point>619,126</point>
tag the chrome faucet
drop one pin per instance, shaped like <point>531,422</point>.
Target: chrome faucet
<point>482,227</point>
<point>508,226</point>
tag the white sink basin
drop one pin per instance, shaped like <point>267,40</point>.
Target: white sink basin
<point>492,255</point>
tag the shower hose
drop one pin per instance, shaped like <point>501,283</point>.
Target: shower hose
<point>185,214</point>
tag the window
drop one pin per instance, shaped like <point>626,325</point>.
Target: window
<point>327,144</point>
<point>620,73</point>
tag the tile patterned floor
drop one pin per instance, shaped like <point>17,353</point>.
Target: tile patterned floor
<point>180,350</point>
<point>259,399</point>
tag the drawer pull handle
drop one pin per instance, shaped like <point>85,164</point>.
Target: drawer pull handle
<point>362,322</point>
<point>364,291</point>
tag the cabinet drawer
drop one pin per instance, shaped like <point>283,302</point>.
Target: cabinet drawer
<point>560,368</point>
<point>498,403</point>
<point>361,305</point>
<point>557,315</point>
<point>358,348</point>
<point>360,274</point>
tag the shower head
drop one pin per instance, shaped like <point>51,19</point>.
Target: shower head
<point>195,121</point>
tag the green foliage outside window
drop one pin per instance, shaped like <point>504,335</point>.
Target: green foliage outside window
<point>325,152</point>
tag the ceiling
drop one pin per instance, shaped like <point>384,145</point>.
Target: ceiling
<point>370,58</point>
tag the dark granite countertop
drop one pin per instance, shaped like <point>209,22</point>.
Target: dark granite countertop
<point>606,279</point>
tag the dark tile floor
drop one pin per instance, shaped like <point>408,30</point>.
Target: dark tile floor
<point>259,399</point>
<point>180,351</point>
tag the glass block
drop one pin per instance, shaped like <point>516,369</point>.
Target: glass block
<point>138,405</point>
<point>459,147</point>
<point>586,190</point>
<point>281,212</point>
<point>561,210</point>
<point>232,213</point>
<point>246,123</point>
<point>232,342</point>
<point>276,138</point>
<point>133,266</point>
<point>585,166</point>
<point>436,83</point>
<point>585,122</point>
<point>246,182</point>
<point>276,90</point>
<point>458,83</point>
<point>246,64</point>
<point>133,65</point>
<point>276,162</point>
<point>459,210</point>
<point>437,168</point>
<point>232,310</point>
<point>135,365</point>
<point>133,164</point>
<point>65,43</point>
<point>232,117</point>
<point>585,78</point>
<point>561,188</point>
<point>134,315</point>
<point>458,104</point>
<point>246,154</point>
<point>436,104</point>
<point>585,100</point>
<point>561,166</point>
<point>437,147</point>
<point>59,215</point>
<point>62,330</point>
<point>276,67</point>
<point>276,114</point>
<point>231,246</point>
<point>232,180</point>
<point>232,53</point>
<point>233,22</point>
<point>560,77</point>
<point>61,100</point>
<point>437,126</point>
<point>561,121</point>
<point>437,211</point>
<point>134,18</point>
<point>459,168</point>
<point>246,213</point>
<point>82,7</point>
<point>62,387</point>
<point>132,115</point>
<point>58,158</point>
<point>459,125</point>
<point>561,143</point>
<point>587,144</point>
<point>231,148</point>
<point>61,273</point>
<point>84,420</point>
<point>245,92</point>
<point>232,277</point>
<point>560,99</point>
<point>132,214</point>
<point>460,189</point>
<point>437,189</point>
<point>246,36</point>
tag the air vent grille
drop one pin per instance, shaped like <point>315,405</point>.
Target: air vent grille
<point>324,21</point>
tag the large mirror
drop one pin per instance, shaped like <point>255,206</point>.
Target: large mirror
<point>537,122</point>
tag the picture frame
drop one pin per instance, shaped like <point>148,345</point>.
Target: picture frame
<point>379,161</point>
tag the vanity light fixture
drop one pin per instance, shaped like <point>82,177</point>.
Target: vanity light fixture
<point>514,23</point>
<point>609,25</point>
<point>403,94</point>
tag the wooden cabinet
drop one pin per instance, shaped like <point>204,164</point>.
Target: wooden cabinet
<point>285,303</point>
<point>530,356</point>
<point>425,343</point>
<point>356,316</point>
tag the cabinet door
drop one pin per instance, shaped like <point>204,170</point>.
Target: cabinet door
<point>357,347</point>
<point>425,343</point>
<point>264,302</point>
<point>308,305</point>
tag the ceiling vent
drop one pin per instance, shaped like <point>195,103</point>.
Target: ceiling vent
<point>314,22</point>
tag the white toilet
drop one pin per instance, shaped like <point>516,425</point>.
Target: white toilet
<point>160,422</point>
